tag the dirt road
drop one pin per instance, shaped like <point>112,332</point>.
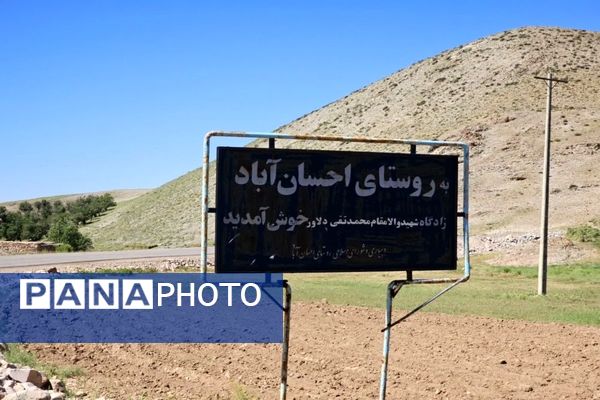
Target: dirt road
<point>336,353</point>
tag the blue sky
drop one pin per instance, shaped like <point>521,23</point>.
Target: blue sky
<point>98,95</point>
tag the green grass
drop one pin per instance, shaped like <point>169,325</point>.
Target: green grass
<point>493,291</point>
<point>240,393</point>
<point>18,355</point>
<point>499,292</point>
<point>165,217</point>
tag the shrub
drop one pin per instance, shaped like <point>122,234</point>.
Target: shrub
<point>63,248</point>
<point>584,233</point>
<point>64,230</point>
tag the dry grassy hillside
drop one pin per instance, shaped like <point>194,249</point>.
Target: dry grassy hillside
<point>168,217</point>
<point>119,195</point>
<point>483,93</point>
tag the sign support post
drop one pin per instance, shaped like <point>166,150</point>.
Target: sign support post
<point>394,286</point>
<point>392,290</point>
<point>287,309</point>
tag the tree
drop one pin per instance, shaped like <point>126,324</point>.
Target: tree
<point>12,226</point>
<point>106,201</point>
<point>3,221</point>
<point>79,211</point>
<point>58,207</point>
<point>57,221</point>
<point>33,228</point>
<point>25,207</point>
<point>64,230</point>
<point>43,209</point>
<point>84,209</point>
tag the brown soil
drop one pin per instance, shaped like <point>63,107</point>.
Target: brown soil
<point>336,353</point>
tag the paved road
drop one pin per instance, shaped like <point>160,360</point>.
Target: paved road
<point>33,260</point>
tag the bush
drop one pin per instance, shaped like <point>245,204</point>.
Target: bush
<point>584,233</point>
<point>63,248</point>
<point>63,230</point>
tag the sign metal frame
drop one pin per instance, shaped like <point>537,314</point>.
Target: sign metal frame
<point>395,285</point>
<point>412,214</point>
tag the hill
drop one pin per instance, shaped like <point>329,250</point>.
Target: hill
<point>483,93</point>
<point>120,195</point>
<point>167,217</point>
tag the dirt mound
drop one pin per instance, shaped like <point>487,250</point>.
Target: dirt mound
<point>336,353</point>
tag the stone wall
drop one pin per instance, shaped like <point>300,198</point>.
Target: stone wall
<point>13,248</point>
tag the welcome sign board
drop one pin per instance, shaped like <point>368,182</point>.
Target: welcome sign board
<point>281,210</point>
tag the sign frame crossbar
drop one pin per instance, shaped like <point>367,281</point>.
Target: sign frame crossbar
<point>394,286</point>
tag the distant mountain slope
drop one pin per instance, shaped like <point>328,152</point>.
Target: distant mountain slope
<point>166,217</point>
<point>120,195</point>
<point>483,93</point>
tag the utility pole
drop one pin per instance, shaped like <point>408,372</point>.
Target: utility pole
<point>543,261</point>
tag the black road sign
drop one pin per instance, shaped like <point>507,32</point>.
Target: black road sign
<point>322,211</point>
